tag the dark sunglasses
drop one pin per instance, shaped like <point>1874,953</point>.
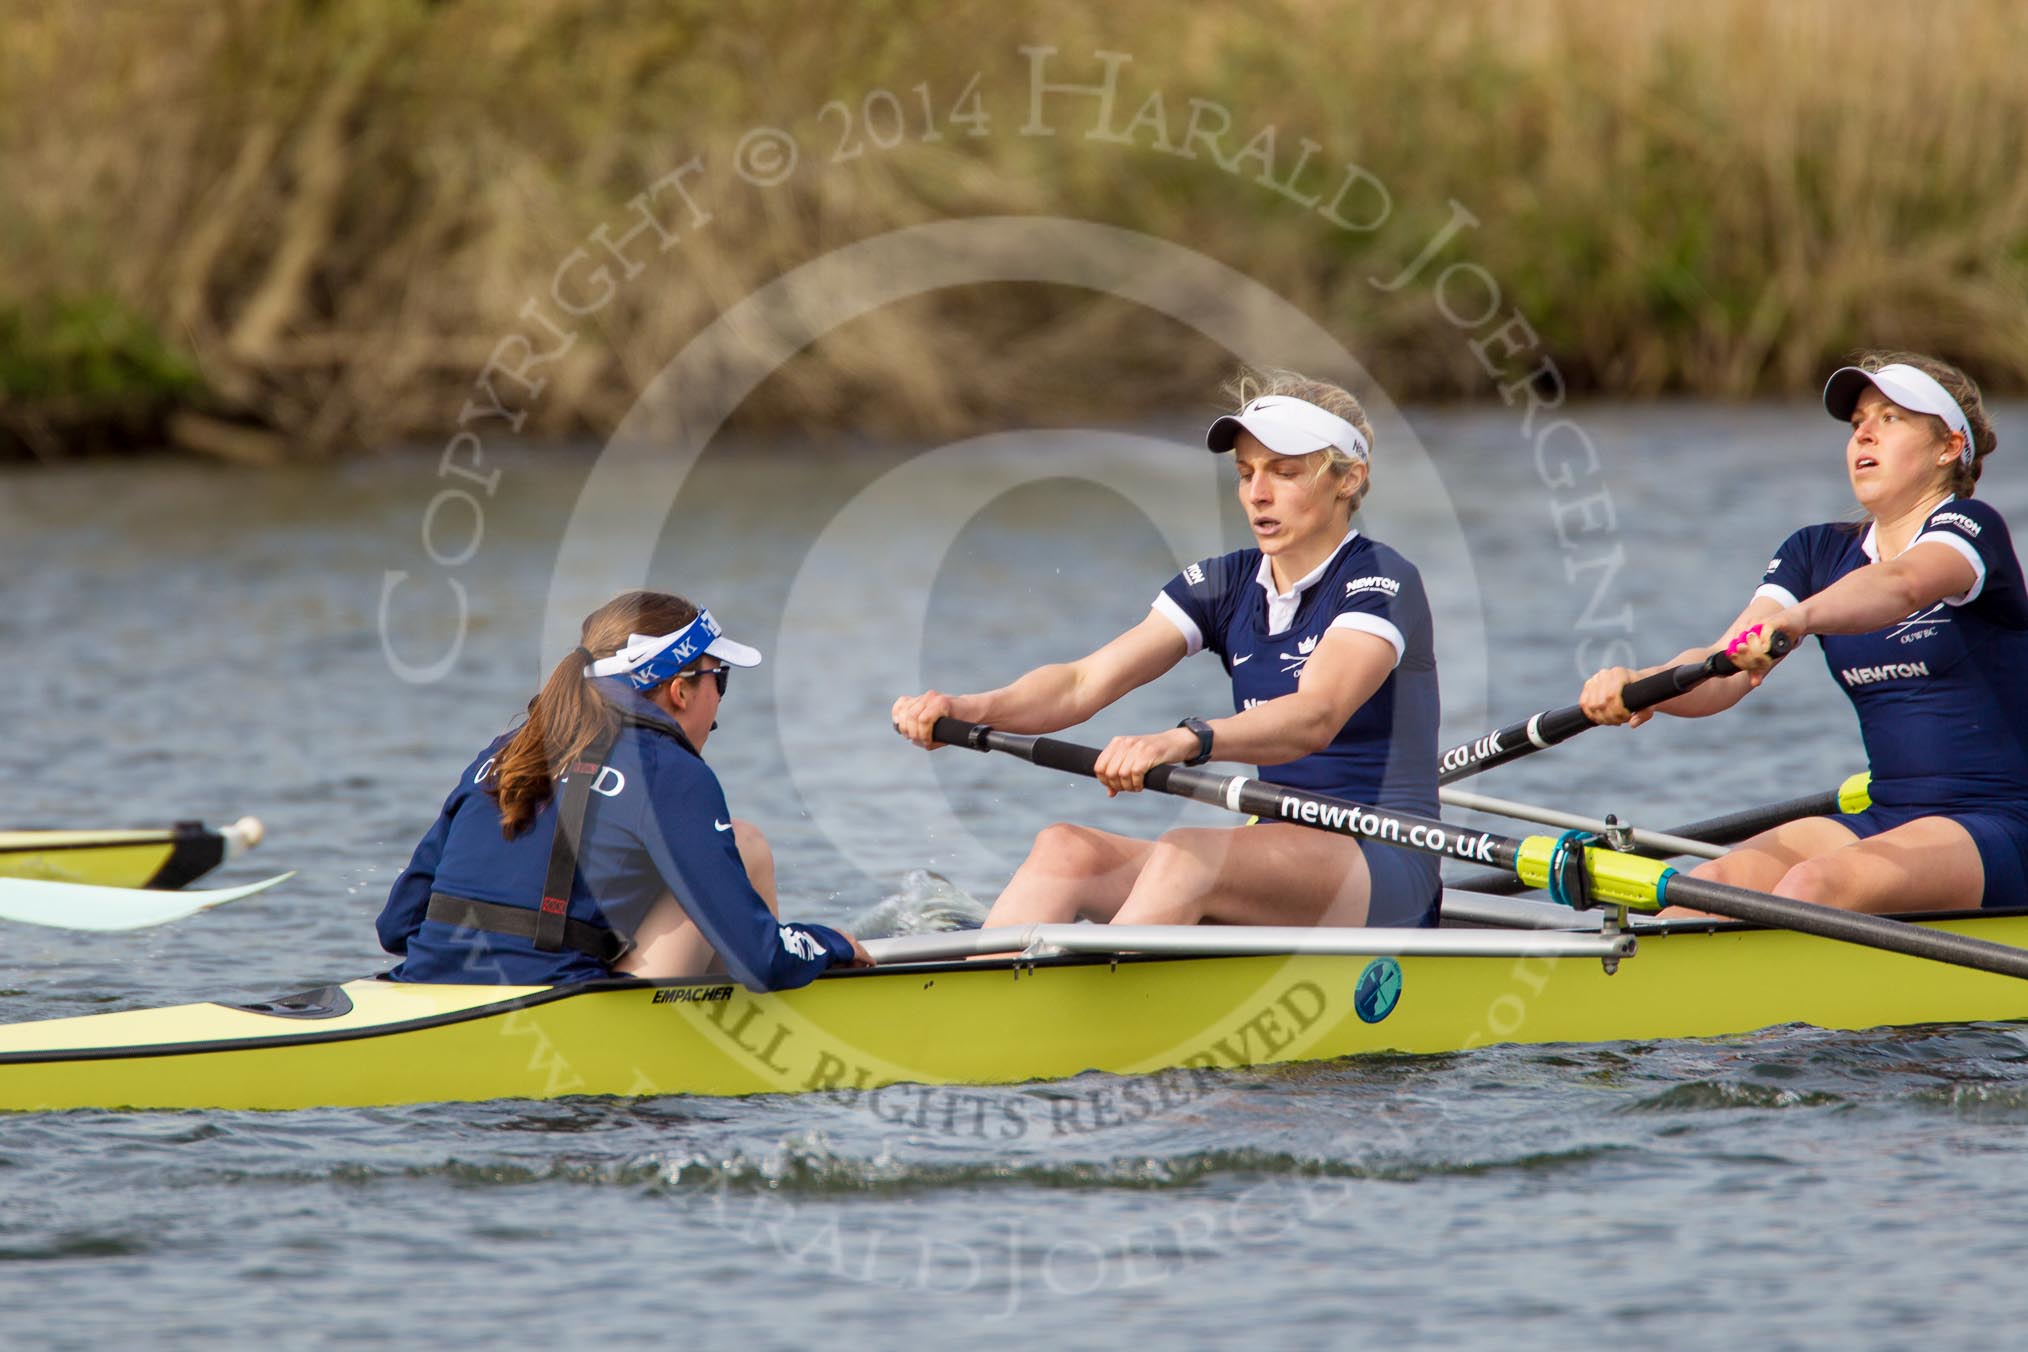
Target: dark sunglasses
<point>721,671</point>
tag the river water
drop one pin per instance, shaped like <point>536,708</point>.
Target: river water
<point>325,646</point>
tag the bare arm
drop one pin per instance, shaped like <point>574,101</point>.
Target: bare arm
<point>1342,674</point>
<point>1870,598</point>
<point>1601,697</point>
<point>1056,696</point>
<point>1864,600</point>
<point>1861,601</point>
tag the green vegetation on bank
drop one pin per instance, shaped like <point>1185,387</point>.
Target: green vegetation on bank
<point>301,227</point>
<point>87,375</point>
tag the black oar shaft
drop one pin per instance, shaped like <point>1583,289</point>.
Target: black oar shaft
<point>1733,827</point>
<point>1872,931</point>
<point>1254,797</point>
<point>1552,726</point>
<point>1613,876</point>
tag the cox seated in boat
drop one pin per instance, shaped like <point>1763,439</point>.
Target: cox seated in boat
<point>1326,635</point>
<point>659,878</point>
<point>1922,616</point>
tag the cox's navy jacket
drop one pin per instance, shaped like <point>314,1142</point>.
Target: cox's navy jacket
<point>657,822</point>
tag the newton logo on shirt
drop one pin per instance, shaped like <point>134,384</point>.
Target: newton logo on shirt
<point>1385,585</point>
<point>1194,574</point>
<point>1958,519</point>
<point>1890,671</point>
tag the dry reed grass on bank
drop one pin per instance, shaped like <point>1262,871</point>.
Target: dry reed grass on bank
<point>333,212</point>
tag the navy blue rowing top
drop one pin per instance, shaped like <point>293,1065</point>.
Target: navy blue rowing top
<point>657,823</point>
<point>1942,695</point>
<point>1386,754</point>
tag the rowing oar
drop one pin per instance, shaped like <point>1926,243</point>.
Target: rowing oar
<point>81,906</point>
<point>1546,729</point>
<point>1610,876</point>
<point>1707,836</point>
<point>1657,844</point>
<point>1854,795</point>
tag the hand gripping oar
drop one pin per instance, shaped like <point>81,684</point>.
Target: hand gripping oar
<point>1551,726</point>
<point>1608,875</point>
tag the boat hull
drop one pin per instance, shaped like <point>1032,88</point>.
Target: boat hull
<point>153,859</point>
<point>373,1042</point>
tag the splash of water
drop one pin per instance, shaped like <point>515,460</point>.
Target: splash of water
<point>925,903</point>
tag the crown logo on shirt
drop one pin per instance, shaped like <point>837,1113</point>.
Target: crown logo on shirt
<point>1308,645</point>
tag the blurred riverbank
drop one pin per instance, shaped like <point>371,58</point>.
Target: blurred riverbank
<point>290,230</point>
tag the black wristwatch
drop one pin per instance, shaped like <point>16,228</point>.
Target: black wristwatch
<point>1203,731</point>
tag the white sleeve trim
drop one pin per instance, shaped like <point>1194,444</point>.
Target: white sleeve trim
<point>1971,556</point>
<point>1374,625</point>
<point>1193,637</point>
<point>1776,593</point>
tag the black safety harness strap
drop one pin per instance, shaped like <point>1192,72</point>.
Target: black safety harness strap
<point>554,914</point>
<point>602,945</point>
<point>549,926</point>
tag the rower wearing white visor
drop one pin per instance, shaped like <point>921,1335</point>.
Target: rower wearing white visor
<point>1923,618</point>
<point>594,840</point>
<point>1326,636</point>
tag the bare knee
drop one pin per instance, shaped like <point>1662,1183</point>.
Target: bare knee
<point>1187,851</point>
<point>1814,880</point>
<point>1064,848</point>
<point>1741,868</point>
<point>1070,871</point>
<point>1196,842</point>
<point>759,858</point>
<point>753,844</point>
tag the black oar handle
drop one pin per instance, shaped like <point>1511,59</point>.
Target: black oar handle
<point>1248,796</point>
<point>1552,726</point>
<point>1047,752</point>
<point>1649,691</point>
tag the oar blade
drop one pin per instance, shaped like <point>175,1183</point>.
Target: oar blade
<point>108,910</point>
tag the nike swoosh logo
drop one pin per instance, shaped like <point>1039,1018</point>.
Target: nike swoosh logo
<point>1242,661</point>
<point>717,825</point>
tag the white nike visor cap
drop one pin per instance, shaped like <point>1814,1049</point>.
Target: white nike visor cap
<point>1913,389</point>
<point>650,659</point>
<point>1289,426</point>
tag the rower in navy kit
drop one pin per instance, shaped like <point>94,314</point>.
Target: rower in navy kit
<point>650,874</point>
<point>1326,635</point>
<point>1923,619</point>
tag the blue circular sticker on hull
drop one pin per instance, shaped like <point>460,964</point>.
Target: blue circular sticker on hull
<point>1378,991</point>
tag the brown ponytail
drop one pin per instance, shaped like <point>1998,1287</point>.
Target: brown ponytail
<point>568,715</point>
